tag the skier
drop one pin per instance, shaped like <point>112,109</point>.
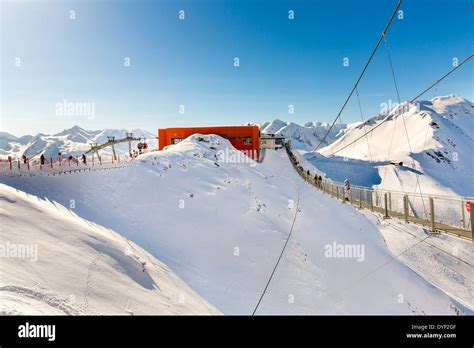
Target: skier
<point>84,159</point>
<point>347,189</point>
<point>24,159</point>
<point>42,159</point>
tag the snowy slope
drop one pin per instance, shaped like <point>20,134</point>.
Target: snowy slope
<point>220,225</point>
<point>444,260</point>
<point>304,138</point>
<point>77,267</point>
<point>74,141</point>
<point>439,148</point>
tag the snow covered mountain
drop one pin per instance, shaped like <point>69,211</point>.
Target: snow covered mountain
<point>434,140</point>
<point>11,145</point>
<point>220,223</point>
<point>437,157</point>
<point>304,138</point>
<point>74,141</point>
<point>54,262</point>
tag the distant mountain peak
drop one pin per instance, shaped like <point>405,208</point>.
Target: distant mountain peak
<point>72,141</point>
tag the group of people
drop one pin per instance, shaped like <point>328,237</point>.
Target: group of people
<point>318,180</point>
<point>70,158</point>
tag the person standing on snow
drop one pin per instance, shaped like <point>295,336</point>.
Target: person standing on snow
<point>42,159</point>
<point>84,159</point>
<point>347,190</point>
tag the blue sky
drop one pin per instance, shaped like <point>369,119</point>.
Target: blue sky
<point>190,62</point>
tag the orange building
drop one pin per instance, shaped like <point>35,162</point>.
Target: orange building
<point>244,138</point>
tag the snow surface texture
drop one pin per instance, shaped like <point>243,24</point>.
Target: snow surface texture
<point>220,224</point>
<point>74,141</point>
<point>443,260</point>
<point>73,266</point>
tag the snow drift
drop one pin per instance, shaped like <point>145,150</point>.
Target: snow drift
<point>53,262</point>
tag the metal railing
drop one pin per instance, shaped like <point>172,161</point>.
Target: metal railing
<point>451,214</point>
<point>62,165</point>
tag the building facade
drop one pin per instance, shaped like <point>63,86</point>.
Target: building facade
<point>243,138</point>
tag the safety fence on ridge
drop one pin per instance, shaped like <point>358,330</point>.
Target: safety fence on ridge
<point>451,214</point>
<point>63,165</point>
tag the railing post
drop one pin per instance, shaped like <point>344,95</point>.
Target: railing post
<point>18,164</point>
<point>432,217</point>
<point>337,191</point>
<point>350,196</point>
<point>385,205</point>
<point>51,160</point>
<point>472,224</point>
<point>360,199</point>
<point>372,201</point>
<point>405,207</point>
<point>463,217</point>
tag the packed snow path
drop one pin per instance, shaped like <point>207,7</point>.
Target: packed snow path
<point>221,227</point>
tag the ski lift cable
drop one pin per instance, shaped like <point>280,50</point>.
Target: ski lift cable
<point>363,120</point>
<point>389,155</point>
<point>401,229</point>
<point>410,101</point>
<point>362,73</point>
<point>404,122</point>
<point>345,159</point>
<point>282,251</point>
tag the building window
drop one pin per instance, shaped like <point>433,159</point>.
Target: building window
<point>176,140</point>
<point>247,141</point>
